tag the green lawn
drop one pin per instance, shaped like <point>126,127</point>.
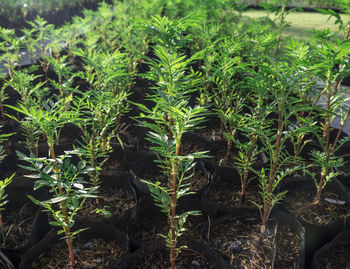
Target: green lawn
<point>300,23</point>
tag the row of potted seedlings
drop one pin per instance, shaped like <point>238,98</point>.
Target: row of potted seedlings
<point>178,141</point>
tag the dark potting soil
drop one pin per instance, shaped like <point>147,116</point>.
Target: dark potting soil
<point>237,238</point>
<point>111,168</point>
<point>300,204</point>
<point>337,257</point>
<point>149,227</point>
<point>198,181</point>
<point>16,230</point>
<point>187,259</point>
<point>193,226</point>
<point>188,148</point>
<point>213,133</point>
<point>227,194</point>
<point>94,253</point>
<point>218,152</point>
<point>113,199</point>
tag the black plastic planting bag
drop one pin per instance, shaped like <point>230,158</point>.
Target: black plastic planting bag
<point>156,246</point>
<point>94,229</point>
<point>252,213</point>
<point>341,246</point>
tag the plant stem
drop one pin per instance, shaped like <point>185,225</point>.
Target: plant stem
<point>329,152</point>
<point>347,33</point>
<point>171,123</point>
<point>267,205</point>
<point>340,131</point>
<point>131,70</point>
<point>298,149</point>
<point>325,139</point>
<point>320,185</point>
<point>2,112</point>
<point>63,207</point>
<point>94,177</point>
<point>229,146</point>
<point>44,63</point>
<point>10,69</point>
<point>246,170</point>
<point>327,124</point>
<point>34,149</point>
<point>173,210</point>
<point>280,29</point>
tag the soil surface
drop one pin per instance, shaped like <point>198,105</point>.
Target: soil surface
<point>227,193</point>
<point>187,259</point>
<point>149,228</point>
<point>112,199</point>
<point>94,253</point>
<point>16,230</point>
<point>300,203</point>
<point>238,239</point>
<point>337,257</point>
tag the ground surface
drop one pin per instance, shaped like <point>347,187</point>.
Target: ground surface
<point>301,23</point>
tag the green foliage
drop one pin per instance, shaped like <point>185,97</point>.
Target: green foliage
<point>171,35</point>
<point>319,158</point>
<point>23,82</point>
<point>10,44</point>
<point>99,121</point>
<point>3,184</point>
<point>104,70</point>
<point>64,74</point>
<point>50,119</point>
<point>67,185</point>
<point>330,65</point>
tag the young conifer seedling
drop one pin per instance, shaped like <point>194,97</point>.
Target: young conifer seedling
<point>42,30</point>
<point>10,44</point>
<point>58,173</point>
<point>64,180</point>
<point>331,55</point>
<point>169,118</point>
<point>3,184</point>
<point>100,113</point>
<point>281,163</point>
<point>227,97</point>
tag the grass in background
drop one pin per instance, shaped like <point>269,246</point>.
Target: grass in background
<point>300,23</point>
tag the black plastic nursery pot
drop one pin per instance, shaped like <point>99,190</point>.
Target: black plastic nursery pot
<point>154,254</point>
<point>225,187</point>
<point>146,221</point>
<point>5,261</point>
<point>334,204</point>
<point>322,222</point>
<point>115,188</point>
<point>235,236</point>
<point>24,224</point>
<point>144,224</point>
<point>115,195</point>
<point>26,236</point>
<point>95,247</point>
<point>344,179</point>
<point>334,254</point>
